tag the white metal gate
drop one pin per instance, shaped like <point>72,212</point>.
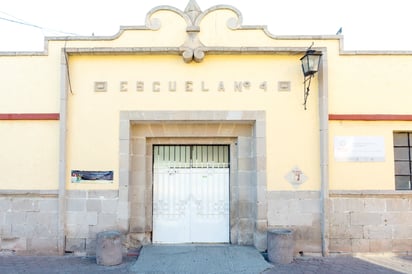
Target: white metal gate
<point>191,194</point>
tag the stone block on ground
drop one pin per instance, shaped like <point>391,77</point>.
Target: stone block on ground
<point>109,248</point>
<point>280,246</point>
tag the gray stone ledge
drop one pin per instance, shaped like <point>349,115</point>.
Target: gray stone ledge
<point>288,195</point>
<point>179,51</point>
<point>29,193</point>
<point>106,194</point>
<point>210,50</point>
<point>125,50</point>
<point>93,194</point>
<point>23,53</point>
<point>376,52</point>
<point>370,193</point>
<point>76,193</point>
<point>198,116</point>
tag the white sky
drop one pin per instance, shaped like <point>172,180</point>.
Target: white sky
<point>367,24</point>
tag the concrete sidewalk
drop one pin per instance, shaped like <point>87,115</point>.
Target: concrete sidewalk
<point>222,259</point>
<point>205,259</point>
<point>225,259</point>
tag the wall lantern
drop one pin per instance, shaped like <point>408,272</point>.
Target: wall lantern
<point>310,66</point>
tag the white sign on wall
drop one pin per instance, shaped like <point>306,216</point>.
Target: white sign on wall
<point>359,148</point>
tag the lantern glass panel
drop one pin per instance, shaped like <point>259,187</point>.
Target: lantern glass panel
<point>313,63</point>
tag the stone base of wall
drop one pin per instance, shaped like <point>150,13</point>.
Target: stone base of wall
<point>90,212</point>
<point>359,222</point>
<point>299,211</point>
<point>138,239</point>
<point>29,222</point>
<point>370,221</point>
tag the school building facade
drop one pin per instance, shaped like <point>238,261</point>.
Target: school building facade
<point>193,129</point>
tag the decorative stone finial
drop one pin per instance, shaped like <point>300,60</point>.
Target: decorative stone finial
<point>193,10</point>
<point>192,49</point>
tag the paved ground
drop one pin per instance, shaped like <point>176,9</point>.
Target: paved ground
<point>213,259</point>
<point>79,265</point>
<point>339,264</point>
<point>54,264</point>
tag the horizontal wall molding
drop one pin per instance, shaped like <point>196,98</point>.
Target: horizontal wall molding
<point>370,193</point>
<point>370,117</point>
<point>29,116</point>
<point>93,194</point>
<point>29,193</point>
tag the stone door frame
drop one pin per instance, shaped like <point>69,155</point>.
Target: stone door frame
<point>140,129</point>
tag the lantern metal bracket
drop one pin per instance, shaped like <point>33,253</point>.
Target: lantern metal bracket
<point>307,81</point>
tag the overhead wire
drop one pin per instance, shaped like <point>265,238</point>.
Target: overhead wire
<point>25,23</point>
<point>19,21</point>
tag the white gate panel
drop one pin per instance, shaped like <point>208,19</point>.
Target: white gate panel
<point>191,198</point>
<point>210,206</point>
<point>171,199</point>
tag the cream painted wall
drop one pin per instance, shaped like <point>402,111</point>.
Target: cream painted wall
<point>29,156</point>
<point>93,140</point>
<point>29,84</point>
<point>372,84</point>
<point>364,175</point>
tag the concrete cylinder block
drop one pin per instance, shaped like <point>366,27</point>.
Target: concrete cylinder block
<point>280,246</point>
<point>109,248</point>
